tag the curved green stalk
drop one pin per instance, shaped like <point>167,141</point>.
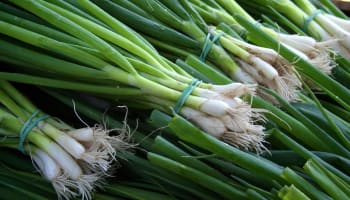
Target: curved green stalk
<point>209,182</point>
<point>121,28</point>
<point>41,29</point>
<point>76,30</point>
<point>68,5</point>
<point>335,10</point>
<point>28,56</point>
<point>44,42</point>
<point>106,34</point>
<point>216,14</point>
<point>333,145</point>
<point>235,9</point>
<point>306,154</point>
<point>337,130</point>
<point>62,84</point>
<point>11,105</point>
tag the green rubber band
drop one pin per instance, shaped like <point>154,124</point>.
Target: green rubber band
<point>28,126</point>
<point>208,44</point>
<point>307,21</point>
<point>185,94</point>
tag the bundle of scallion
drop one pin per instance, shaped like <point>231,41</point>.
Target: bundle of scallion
<point>18,181</point>
<point>305,47</point>
<point>75,161</point>
<point>265,65</point>
<point>255,64</point>
<point>117,60</point>
<point>321,23</point>
<point>276,19</point>
<point>302,65</point>
<point>317,53</point>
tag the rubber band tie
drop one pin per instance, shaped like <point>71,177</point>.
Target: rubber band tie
<point>208,44</point>
<point>28,126</point>
<point>308,20</point>
<point>185,94</point>
<point>257,24</point>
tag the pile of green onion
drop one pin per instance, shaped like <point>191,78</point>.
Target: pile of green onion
<point>248,99</point>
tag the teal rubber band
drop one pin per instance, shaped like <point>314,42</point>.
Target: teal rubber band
<point>208,44</point>
<point>185,94</point>
<point>257,24</point>
<point>205,47</point>
<point>28,126</point>
<point>307,21</point>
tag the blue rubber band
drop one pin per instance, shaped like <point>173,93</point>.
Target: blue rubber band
<point>28,126</point>
<point>208,44</point>
<point>307,21</point>
<point>185,94</point>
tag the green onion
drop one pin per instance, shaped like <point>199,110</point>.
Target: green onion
<point>74,160</point>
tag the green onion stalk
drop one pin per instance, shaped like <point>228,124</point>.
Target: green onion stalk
<point>291,192</point>
<point>336,187</point>
<point>122,59</point>
<point>317,53</point>
<point>75,161</point>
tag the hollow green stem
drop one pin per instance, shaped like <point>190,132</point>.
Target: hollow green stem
<point>221,188</point>
<point>47,82</point>
<point>120,28</point>
<point>106,34</point>
<point>76,30</point>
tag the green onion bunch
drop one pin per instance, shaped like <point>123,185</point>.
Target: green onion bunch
<point>237,59</point>
<point>305,47</point>
<point>325,23</point>
<point>74,161</point>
